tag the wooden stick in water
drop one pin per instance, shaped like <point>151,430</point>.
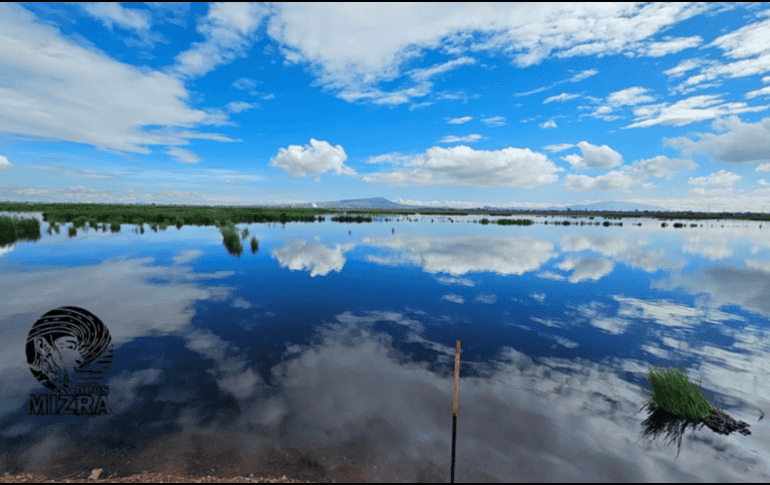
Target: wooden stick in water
<point>455,403</point>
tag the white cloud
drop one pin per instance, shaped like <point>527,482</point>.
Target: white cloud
<point>759,92</point>
<point>739,142</point>
<point>4,163</point>
<point>594,157</point>
<point>316,158</point>
<point>494,121</point>
<point>548,124</point>
<point>702,191</point>
<point>670,46</point>
<point>460,121</point>
<point>183,155</point>
<point>609,181</point>
<point>683,67</point>
<point>686,111</point>
<point>586,268</point>
<point>351,48</point>
<point>464,166</point>
<point>318,259</point>
<point>583,75</point>
<point>722,177</point>
<point>457,139</point>
<point>560,98</point>
<point>453,298</point>
<point>629,97</point>
<point>489,299</point>
<point>458,256</point>
<point>748,46</point>
<point>765,167</point>
<point>81,95</point>
<point>229,30</point>
<point>112,14</point>
<point>240,106</point>
<point>659,167</point>
<point>245,83</point>
<point>558,148</point>
<point>425,74</point>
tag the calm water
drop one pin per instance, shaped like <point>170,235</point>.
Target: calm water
<point>328,353</point>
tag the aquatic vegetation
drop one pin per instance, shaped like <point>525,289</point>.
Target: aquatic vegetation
<point>245,233</point>
<point>676,403</point>
<point>254,244</point>
<point>517,222</point>
<point>673,392</point>
<point>231,240</point>
<point>73,231</point>
<point>15,229</point>
<point>346,218</point>
<point>115,226</point>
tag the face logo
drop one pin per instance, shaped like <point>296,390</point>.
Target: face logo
<point>69,348</point>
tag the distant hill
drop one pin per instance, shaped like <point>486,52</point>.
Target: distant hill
<point>383,203</point>
<point>370,203</point>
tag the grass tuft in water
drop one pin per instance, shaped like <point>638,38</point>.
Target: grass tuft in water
<point>231,239</point>
<point>673,392</point>
<point>676,403</point>
<point>254,244</point>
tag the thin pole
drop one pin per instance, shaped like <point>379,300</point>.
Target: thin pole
<point>455,402</point>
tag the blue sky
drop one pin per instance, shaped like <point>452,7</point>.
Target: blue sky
<point>457,104</point>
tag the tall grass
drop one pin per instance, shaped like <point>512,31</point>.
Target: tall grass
<point>673,392</point>
<point>231,240</point>
<point>15,229</point>
<point>254,244</point>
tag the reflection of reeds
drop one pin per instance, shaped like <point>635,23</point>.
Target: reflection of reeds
<point>676,403</point>
<point>14,229</point>
<point>231,240</point>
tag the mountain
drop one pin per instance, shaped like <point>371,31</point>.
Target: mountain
<point>370,203</point>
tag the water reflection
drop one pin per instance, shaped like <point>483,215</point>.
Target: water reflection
<point>214,357</point>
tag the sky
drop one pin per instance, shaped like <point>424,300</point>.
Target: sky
<point>460,105</point>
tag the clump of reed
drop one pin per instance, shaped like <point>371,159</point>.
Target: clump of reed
<point>230,239</point>
<point>15,229</point>
<point>254,244</point>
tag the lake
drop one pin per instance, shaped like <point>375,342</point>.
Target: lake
<point>328,354</point>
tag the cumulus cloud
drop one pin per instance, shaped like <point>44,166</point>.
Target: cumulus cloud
<point>737,142</point>
<point>4,163</point>
<point>629,175</point>
<point>316,158</point>
<point>460,255</point>
<point>318,259</point>
<point>462,165</point>
<point>608,181</point>
<point>586,268</point>
<point>722,177</point>
<point>548,124</point>
<point>229,30</point>
<point>594,157</point>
